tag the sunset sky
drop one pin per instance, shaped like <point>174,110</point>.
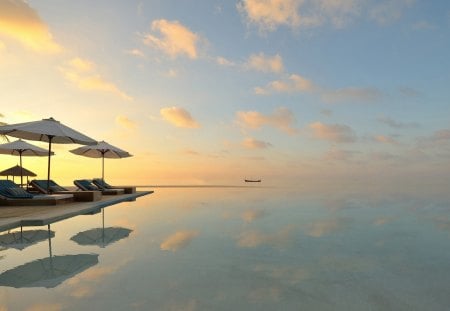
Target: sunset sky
<point>217,91</point>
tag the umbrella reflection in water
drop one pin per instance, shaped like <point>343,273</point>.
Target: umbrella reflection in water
<point>101,236</point>
<point>22,239</point>
<point>47,272</point>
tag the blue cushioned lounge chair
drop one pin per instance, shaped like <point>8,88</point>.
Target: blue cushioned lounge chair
<point>102,184</point>
<point>85,196</point>
<point>87,185</point>
<point>12,194</point>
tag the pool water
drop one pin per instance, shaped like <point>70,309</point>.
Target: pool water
<point>236,249</point>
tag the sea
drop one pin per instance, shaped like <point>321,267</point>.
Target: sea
<point>237,248</point>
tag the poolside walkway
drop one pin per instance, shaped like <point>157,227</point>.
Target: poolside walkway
<point>16,216</point>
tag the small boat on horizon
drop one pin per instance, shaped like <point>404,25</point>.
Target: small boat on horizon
<point>252,180</point>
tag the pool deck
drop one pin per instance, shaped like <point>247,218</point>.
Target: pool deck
<point>22,216</point>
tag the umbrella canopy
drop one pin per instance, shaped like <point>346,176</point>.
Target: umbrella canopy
<point>22,148</point>
<point>101,150</point>
<point>17,171</point>
<point>22,239</point>
<point>48,130</point>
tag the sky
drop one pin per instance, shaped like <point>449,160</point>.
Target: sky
<point>208,92</point>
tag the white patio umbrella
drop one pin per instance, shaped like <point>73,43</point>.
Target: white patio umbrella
<point>22,148</point>
<point>48,130</point>
<point>101,150</point>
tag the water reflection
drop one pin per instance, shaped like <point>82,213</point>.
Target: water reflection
<point>245,249</point>
<point>101,236</point>
<point>178,240</point>
<point>47,272</point>
<point>22,239</point>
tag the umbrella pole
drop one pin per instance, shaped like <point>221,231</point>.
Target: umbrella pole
<point>21,169</point>
<point>103,166</point>
<point>49,156</point>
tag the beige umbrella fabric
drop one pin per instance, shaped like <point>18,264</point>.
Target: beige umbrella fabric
<point>22,148</point>
<point>101,150</point>
<point>48,130</point>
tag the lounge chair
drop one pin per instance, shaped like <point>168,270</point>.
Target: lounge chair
<point>102,184</point>
<point>87,185</point>
<point>81,196</point>
<point>13,195</point>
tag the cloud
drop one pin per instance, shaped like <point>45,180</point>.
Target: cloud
<point>299,84</point>
<point>126,123</point>
<point>263,63</point>
<point>175,39</point>
<point>82,74</point>
<point>396,124</point>
<point>388,11</point>
<point>423,25</point>
<point>335,154</point>
<point>386,140</point>
<point>338,133</point>
<point>441,135</point>
<point>351,94</point>
<point>179,117</point>
<point>20,22</point>
<point>268,15</point>
<point>251,143</point>
<point>222,61</point>
<point>294,83</point>
<point>282,119</point>
<point>45,307</point>
<point>178,240</point>
<point>135,52</point>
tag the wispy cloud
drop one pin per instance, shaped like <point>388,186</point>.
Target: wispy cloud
<point>338,133</point>
<point>174,40</point>
<point>222,61</point>
<point>126,123</point>
<point>20,22</point>
<point>351,94</point>
<point>293,83</point>
<point>386,139</point>
<point>282,119</point>
<point>251,143</point>
<point>268,15</point>
<point>82,74</point>
<point>135,52</point>
<point>178,240</point>
<point>179,117</point>
<point>388,11</point>
<point>263,63</point>
<point>397,124</point>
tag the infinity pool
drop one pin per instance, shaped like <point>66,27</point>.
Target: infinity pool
<point>236,249</point>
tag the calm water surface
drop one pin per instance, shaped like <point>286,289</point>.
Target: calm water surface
<point>237,249</point>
